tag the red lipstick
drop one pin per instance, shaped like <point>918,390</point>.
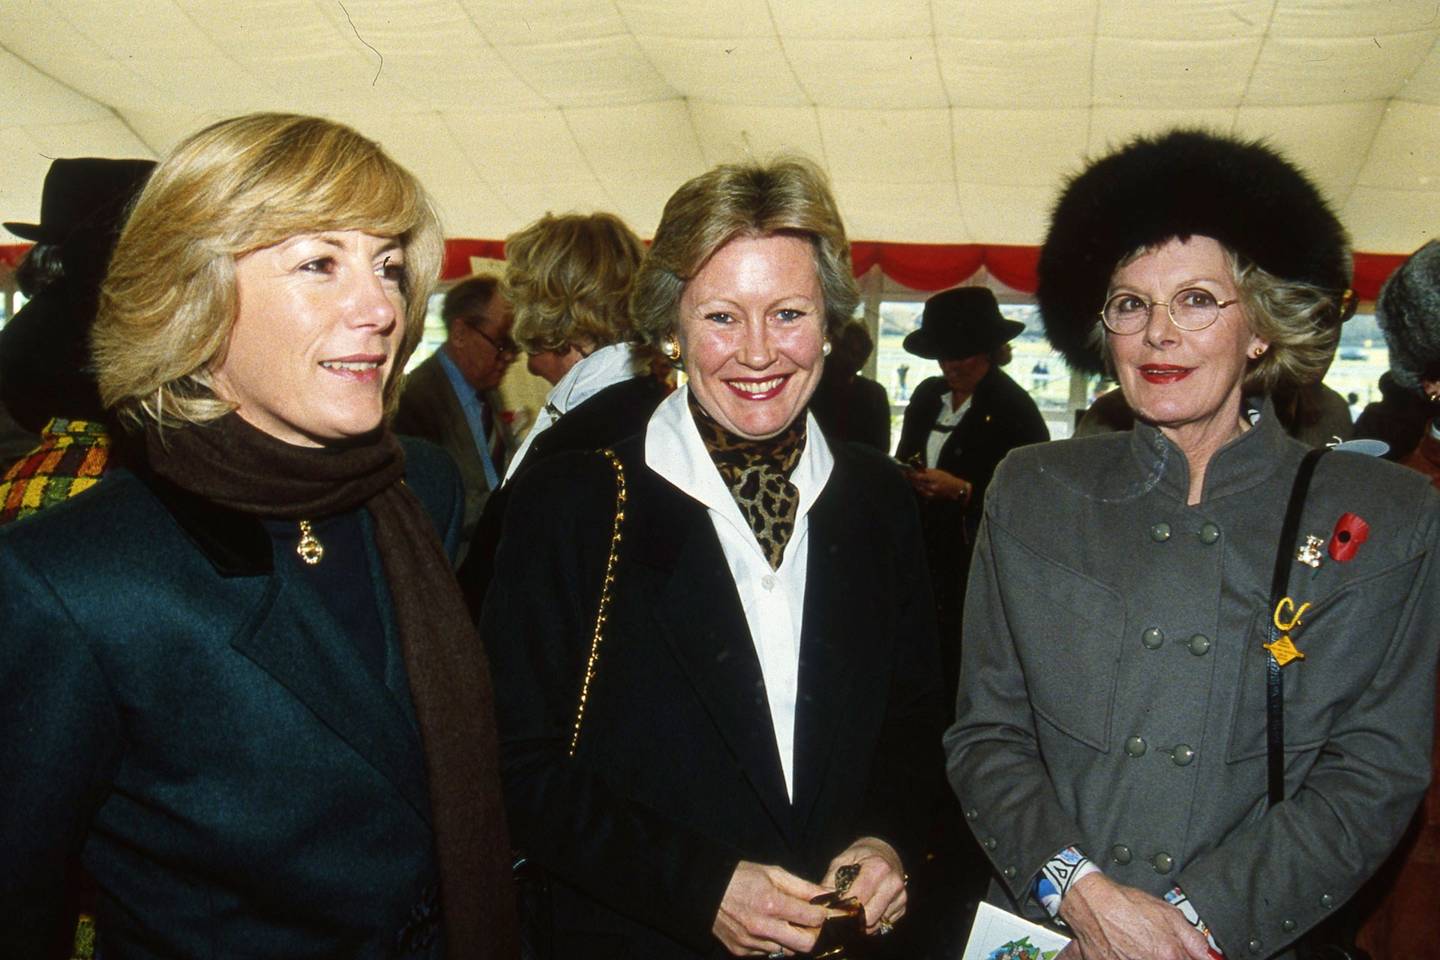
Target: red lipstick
<point>757,389</point>
<point>1164,373</point>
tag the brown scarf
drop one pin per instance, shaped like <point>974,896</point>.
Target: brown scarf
<point>245,469</point>
<point>758,475</point>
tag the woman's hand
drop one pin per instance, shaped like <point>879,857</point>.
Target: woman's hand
<point>940,484</point>
<point>1115,922</point>
<point>766,910</point>
<point>880,885</point>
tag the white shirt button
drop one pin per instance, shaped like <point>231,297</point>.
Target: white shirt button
<point>768,581</point>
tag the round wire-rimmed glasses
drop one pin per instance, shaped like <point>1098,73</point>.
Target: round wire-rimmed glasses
<point>1191,309</point>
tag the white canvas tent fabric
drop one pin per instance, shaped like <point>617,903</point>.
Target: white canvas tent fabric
<point>939,122</point>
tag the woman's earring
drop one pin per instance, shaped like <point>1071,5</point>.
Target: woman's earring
<point>1258,353</point>
<point>671,349</point>
<point>825,348</point>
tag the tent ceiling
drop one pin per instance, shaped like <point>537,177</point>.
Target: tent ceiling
<point>940,122</point>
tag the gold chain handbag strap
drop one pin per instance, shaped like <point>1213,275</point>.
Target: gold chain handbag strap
<point>603,610</point>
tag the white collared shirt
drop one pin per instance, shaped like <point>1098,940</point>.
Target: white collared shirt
<point>604,367</point>
<point>949,417</point>
<point>773,600</point>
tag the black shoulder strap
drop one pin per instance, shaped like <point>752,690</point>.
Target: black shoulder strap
<point>1279,587</point>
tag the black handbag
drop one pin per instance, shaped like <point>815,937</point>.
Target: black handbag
<point>533,896</point>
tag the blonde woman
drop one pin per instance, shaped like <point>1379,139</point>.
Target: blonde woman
<point>237,681</point>
<point>568,279</point>
<point>764,715</point>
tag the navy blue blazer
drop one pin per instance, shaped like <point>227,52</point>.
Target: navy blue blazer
<point>179,708</point>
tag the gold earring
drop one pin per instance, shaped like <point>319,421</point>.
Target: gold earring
<point>671,349</point>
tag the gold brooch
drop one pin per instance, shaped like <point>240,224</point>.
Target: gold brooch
<point>309,548</point>
<point>1284,649</point>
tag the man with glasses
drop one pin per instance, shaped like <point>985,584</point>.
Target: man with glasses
<point>450,398</point>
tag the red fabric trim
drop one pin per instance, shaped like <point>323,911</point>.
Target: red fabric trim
<point>920,266</point>
<point>1372,270</point>
<point>459,252</point>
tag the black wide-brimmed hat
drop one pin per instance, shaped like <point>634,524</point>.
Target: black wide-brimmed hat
<point>1181,184</point>
<point>961,323</point>
<point>82,190</point>
<point>45,364</point>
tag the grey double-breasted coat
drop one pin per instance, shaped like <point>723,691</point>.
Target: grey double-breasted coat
<point>1112,690</point>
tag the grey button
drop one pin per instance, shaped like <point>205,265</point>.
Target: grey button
<point>1327,901</point>
<point>1162,862</point>
<point>989,843</point>
<point>971,814</point>
<point>1009,873</point>
<point>1160,532</point>
<point>1153,638</point>
<point>1120,854</point>
<point>1199,644</point>
<point>1136,747</point>
<point>1209,533</point>
<point>1182,755</point>
<point>1288,926</point>
<point>1253,945</point>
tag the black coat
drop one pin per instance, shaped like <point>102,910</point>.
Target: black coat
<point>852,408</point>
<point>1399,418</point>
<point>181,709</point>
<point>677,777</point>
<point>1001,417</point>
<point>611,415</point>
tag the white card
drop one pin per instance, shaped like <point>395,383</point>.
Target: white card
<point>1000,935</point>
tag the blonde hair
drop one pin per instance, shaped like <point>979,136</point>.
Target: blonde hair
<point>1300,321</point>
<point>786,196</point>
<point>169,301</point>
<point>568,281</point>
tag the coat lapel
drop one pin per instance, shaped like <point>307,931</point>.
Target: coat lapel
<point>703,624</point>
<point>837,619</point>
<point>299,644</point>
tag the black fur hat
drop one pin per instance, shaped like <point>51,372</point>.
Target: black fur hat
<point>1181,184</point>
<point>1408,310</point>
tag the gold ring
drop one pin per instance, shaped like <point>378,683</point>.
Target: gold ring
<point>885,926</point>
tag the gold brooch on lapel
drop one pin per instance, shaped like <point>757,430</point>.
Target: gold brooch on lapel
<point>1309,554</point>
<point>310,549</point>
<point>1284,649</point>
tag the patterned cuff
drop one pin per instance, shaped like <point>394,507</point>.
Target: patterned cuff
<point>1060,874</point>
<point>1177,898</point>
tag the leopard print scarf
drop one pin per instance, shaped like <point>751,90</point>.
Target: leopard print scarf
<point>758,475</point>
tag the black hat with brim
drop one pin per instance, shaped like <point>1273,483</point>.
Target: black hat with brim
<point>82,191</point>
<point>1184,183</point>
<point>961,323</point>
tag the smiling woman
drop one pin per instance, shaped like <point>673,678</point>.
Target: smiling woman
<point>1150,742</point>
<point>320,318</point>
<point>295,678</point>
<point>759,731</point>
